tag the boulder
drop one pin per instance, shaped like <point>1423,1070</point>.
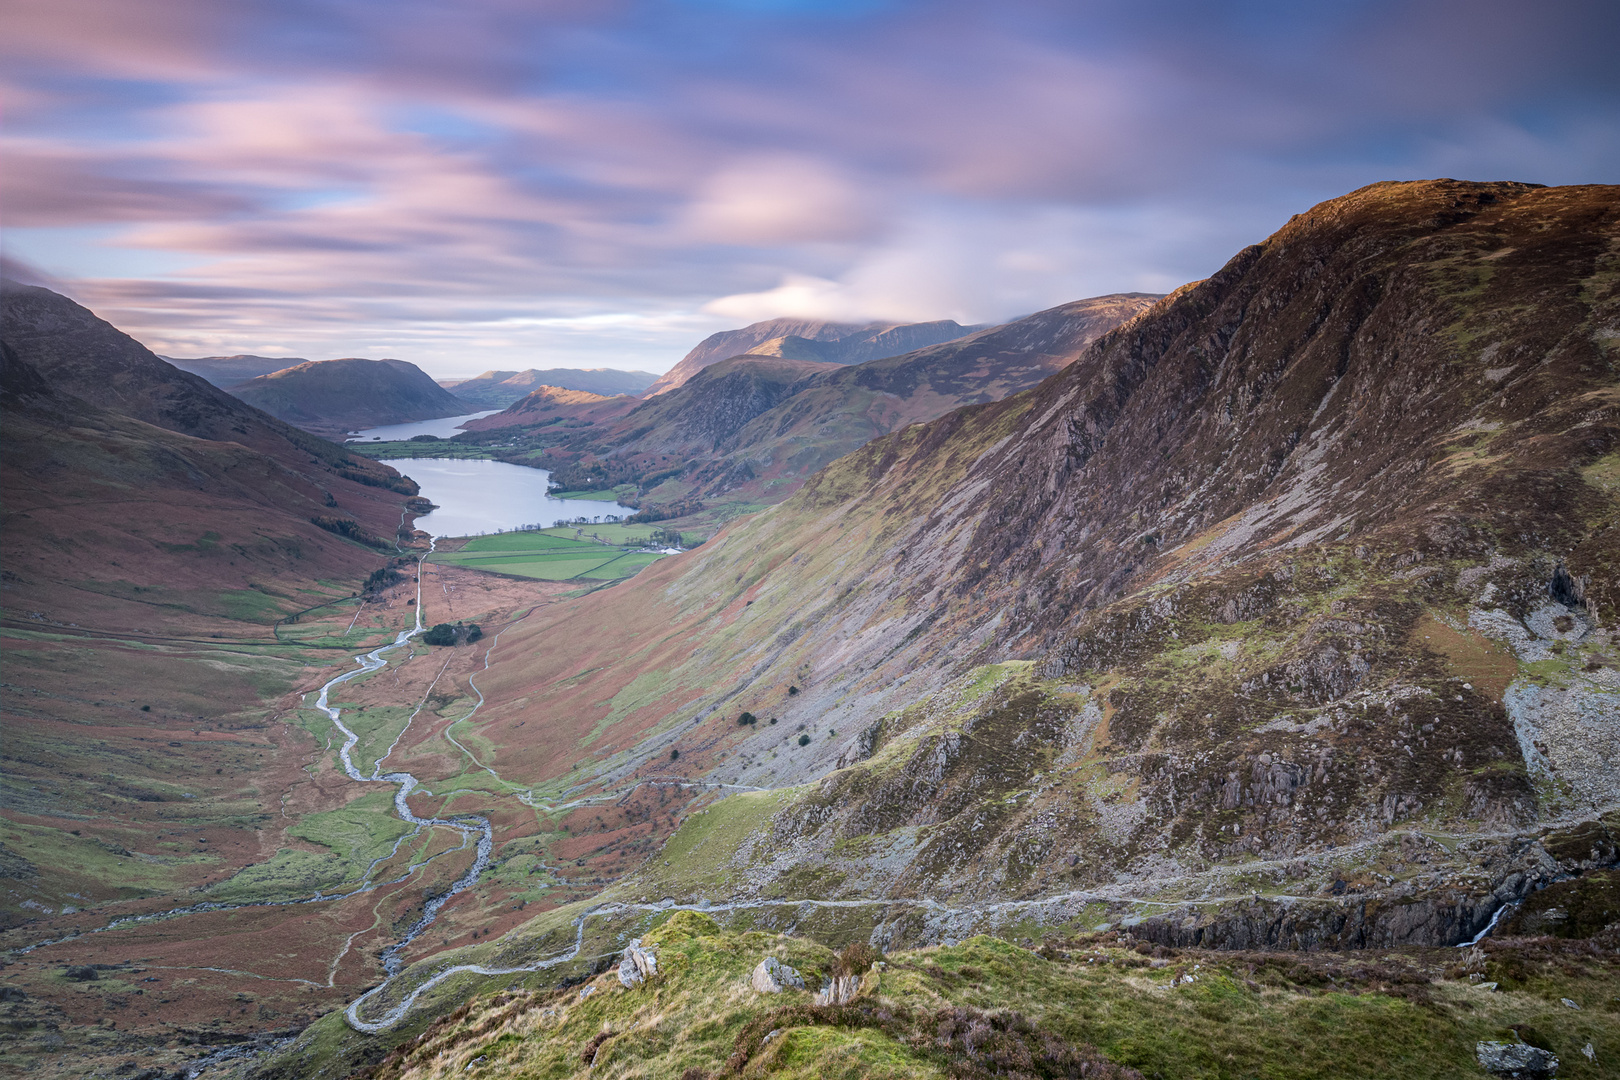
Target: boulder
<point>637,965</point>
<point>772,976</point>
<point>1518,1060</point>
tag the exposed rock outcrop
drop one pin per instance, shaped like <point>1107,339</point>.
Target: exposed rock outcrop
<point>637,965</point>
<point>771,976</point>
<point>1517,1060</point>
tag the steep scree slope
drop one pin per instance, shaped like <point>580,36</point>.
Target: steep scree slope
<point>1314,558</point>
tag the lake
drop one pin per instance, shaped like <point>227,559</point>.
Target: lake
<point>442,429</point>
<point>488,496</point>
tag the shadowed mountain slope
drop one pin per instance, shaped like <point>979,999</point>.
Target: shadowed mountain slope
<point>226,371</point>
<point>331,397</point>
<point>1317,552</point>
<point>117,462</point>
<point>498,389</point>
<point>810,339</point>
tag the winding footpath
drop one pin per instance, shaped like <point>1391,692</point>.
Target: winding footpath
<point>477,830</point>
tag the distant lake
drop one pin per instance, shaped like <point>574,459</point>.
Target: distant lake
<point>488,496</point>
<point>443,429</point>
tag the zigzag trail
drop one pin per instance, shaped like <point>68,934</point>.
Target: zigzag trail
<point>351,1013</point>
<point>477,829</point>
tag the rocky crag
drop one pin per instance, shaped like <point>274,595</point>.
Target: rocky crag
<point>1282,616</point>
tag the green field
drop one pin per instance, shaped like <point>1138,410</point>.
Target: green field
<point>594,496</point>
<point>565,553</point>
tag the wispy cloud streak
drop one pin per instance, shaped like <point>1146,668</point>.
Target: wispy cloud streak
<point>496,182</point>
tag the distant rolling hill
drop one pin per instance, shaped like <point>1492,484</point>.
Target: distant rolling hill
<point>331,397</point>
<point>226,371</point>
<point>498,389</point>
<point>810,339</point>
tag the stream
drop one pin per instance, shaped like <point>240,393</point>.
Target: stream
<point>471,826</point>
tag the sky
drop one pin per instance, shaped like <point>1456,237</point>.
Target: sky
<point>600,183</point>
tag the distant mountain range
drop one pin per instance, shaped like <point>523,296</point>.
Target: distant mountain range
<point>498,389</point>
<point>226,371</point>
<point>331,397</point>
<point>810,339</point>
<point>754,427</point>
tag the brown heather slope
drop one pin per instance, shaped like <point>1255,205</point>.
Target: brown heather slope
<point>165,585</point>
<point>1315,558</point>
<point>331,397</point>
<point>811,339</point>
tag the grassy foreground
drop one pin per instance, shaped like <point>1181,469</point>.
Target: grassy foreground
<point>1095,1007</point>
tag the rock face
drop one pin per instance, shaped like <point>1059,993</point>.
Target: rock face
<point>838,990</point>
<point>637,965</point>
<point>1516,1060</point>
<point>771,976</point>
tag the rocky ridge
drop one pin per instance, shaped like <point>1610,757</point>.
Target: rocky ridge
<point>1255,560</point>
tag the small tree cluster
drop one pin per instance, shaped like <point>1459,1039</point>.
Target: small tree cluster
<point>453,634</point>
